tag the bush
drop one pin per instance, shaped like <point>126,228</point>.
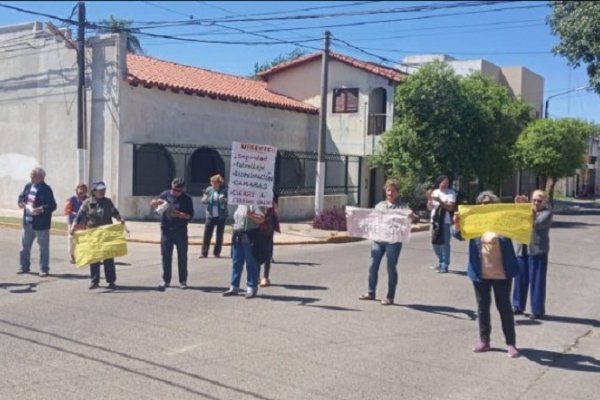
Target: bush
<point>332,220</point>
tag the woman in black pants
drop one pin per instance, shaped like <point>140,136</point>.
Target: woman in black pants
<point>215,198</point>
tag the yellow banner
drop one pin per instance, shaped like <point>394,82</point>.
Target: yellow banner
<point>510,220</point>
<point>97,244</point>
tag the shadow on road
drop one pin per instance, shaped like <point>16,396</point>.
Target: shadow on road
<point>571,224</point>
<point>573,320</point>
<point>291,299</point>
<point>300,287</point>
<point>572,362</point>
<point>332,308</point>
<point>442,310</point>
<point>130,288</point>
<point>83,275</point>
<point>19,288</point>
<point>296,263</point>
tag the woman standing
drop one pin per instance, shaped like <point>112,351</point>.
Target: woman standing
<point>392,250</point>
<point>441,203</point>
<point>72,207</point>
<point>492,265</point>
<point>268,229</point>
<point>245,227</point>
<point>97,211</point>
<point>215,198</point>
<point>534,266</point>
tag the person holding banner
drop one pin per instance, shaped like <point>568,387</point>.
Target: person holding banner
<point>215,198</point>
<point>177,210</point>
<point>246,219</point>
<point>534,262</point>
<point>391,250</point>
<point>96,211</point>
<point>441,202</point>
<point>492,265</point>
<point>72,206</point>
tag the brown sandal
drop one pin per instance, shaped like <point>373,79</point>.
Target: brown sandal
<point>387,302</point>
<point>366,296</point>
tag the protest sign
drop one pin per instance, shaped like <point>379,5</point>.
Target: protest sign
<point>392,226</point>
<point>511,220</point>
<point>97,244</point>
<point>252,173</point>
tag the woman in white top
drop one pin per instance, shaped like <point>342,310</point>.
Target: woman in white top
<point>441,203</point>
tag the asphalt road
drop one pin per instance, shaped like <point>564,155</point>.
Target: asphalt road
<point>306,337</point>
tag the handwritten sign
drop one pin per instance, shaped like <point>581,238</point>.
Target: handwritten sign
<point>392,226</point>
<point>510,220</point>
<point>97,244</point>
<point>252,174</point>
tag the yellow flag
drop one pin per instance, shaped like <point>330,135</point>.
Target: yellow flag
<point>97,244</point>
<point>510,220</point>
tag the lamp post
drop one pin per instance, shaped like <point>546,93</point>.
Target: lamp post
<point>560,94</point>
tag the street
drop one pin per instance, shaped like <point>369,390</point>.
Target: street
<point>305,337</point>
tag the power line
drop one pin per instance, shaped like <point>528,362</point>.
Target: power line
<point>190,16</point>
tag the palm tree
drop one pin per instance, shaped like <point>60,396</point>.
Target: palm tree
<point>114,25</point>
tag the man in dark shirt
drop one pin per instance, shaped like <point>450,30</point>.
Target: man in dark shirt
<point>177,210</point>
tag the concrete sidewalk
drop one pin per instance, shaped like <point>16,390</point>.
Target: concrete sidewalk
<point>149,231</point>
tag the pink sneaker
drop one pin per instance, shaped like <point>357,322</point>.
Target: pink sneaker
<point>513,352</point>
<point>481,347</point>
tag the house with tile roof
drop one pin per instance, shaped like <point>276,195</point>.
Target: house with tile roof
<point>149,120</point>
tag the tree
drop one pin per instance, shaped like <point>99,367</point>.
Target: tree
<point>577,24</point>
<point>113,25</point>
<point>554,148</point>
<point>463,127</point>
<point>292,55</point>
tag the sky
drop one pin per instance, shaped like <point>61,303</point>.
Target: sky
<point>250,32</point>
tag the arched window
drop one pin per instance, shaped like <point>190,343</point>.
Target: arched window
<point>289,172</point>
<point>153,170</point>
<point>377,111</point>
<point>204,163</point>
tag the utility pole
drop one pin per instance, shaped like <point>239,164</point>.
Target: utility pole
<point>80,94</point>
<point>320,181</point>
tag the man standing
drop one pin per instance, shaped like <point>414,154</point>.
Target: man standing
<point>37,202</point>
<point>177,210</point>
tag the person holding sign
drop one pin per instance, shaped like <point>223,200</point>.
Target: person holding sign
<point>177,210</point>
<point>391,250</point>
<point>441,202</point>
<point>246,219</point>
<point>215,198</point>
<point>96,211</point>
<point>534,264</point>
<point>492,265</point>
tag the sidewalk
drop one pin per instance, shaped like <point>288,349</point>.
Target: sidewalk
<point>149,231</point>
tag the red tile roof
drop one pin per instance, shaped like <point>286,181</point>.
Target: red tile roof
<point>151,72</point>
<point>373,68</point>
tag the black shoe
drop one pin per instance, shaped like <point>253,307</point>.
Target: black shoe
<point>536,316</point>
<point>22,271</point>
<point>94,286</point>
<point>517,312</point>
<point>112,285</point>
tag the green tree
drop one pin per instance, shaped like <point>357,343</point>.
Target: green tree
<point>577,24</point>
<point>447,124</point>
<point>114,25</point>
<point>292,55</point>
<point>554,148</point>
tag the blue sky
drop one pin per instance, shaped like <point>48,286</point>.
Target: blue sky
<point>506,33</point>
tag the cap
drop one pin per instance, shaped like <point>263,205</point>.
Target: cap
<point>98,185</point>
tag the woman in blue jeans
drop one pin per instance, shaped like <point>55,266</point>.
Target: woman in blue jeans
<point>392,250</point>
<point>441,202</point>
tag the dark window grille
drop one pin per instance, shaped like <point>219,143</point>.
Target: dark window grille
<point>202,164</point>
<point>153,170</point>
<point>345,100</point>
<point>376,124</point>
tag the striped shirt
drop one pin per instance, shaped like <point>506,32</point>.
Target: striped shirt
<point>30,204</point>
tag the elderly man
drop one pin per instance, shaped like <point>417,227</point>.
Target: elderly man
<point>37,202</point>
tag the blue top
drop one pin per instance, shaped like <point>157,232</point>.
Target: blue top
<point>182,203</point>
<point>44,198</point>
<point>509,259</point>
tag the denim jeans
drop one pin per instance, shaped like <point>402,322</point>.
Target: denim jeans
<point>442,251</point>
<point>242,252</point>
<point>519,299</point>
<point>538,269</point>
<point>502,298</point>
<point>392,251</point>
<point>179,239</point>
<point>109,271</point>
<point>43,239</point>
<point>209,227</point>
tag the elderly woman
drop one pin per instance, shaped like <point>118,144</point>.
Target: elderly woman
<point>72,206</point>
<point>533,263</point>
<point>215,198</point>
<point>96,211</point>
<point>492,265</point>
<point>391,250</point>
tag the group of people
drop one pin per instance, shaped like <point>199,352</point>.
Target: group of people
<point>493,264</point>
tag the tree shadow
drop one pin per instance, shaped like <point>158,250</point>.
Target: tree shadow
<point>19,288</point>
<point>572,362</point>
<point>443,310</point>
<point>300,287</point>
<point>296,263</point>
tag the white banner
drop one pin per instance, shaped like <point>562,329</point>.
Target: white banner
<point>252,173</point>
<point>392,226</point>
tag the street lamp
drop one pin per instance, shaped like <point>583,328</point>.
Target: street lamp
<point>560,94</point>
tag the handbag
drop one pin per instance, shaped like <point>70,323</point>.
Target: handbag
<point>437,229</point>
